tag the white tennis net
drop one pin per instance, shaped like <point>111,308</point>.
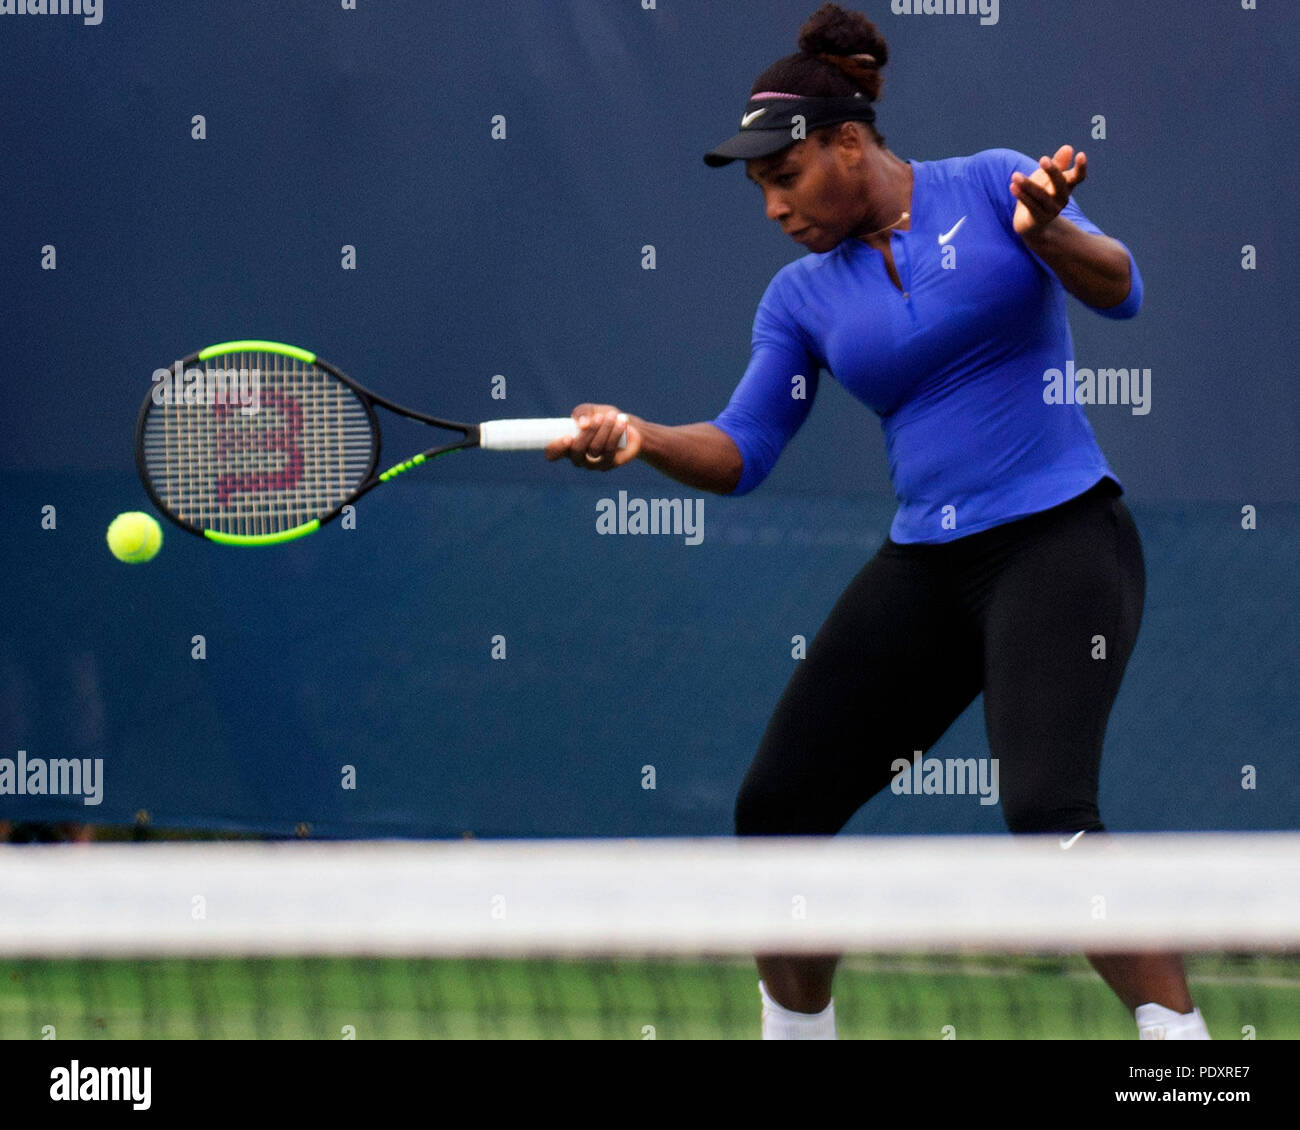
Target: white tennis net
<point>607,937</point>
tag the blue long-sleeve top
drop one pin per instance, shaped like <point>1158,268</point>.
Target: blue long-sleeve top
<point>954,364</point>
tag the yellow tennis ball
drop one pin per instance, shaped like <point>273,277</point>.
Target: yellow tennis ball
<point>134,537</point>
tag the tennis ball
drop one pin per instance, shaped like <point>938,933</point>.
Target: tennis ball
<point>134,537</point>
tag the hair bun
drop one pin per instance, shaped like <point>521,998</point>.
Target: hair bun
<point>849,41</point>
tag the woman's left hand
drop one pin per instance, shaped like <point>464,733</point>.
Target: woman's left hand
<point>1043,195</point>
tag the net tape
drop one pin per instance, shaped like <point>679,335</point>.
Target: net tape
<point>1209,892</point>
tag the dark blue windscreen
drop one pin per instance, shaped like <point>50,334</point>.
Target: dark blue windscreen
<point>366,655</point>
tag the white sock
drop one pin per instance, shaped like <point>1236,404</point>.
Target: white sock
<point>1155,1022</point>
<point>782,1024</point>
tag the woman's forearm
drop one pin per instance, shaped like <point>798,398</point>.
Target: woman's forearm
<point>1094,268</point>
<point>700,455</point>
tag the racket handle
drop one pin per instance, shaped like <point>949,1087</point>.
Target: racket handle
<point>528,435</point>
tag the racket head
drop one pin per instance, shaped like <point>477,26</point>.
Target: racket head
<point>256,442</point>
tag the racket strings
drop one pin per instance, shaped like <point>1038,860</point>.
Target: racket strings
<point>255,444</point>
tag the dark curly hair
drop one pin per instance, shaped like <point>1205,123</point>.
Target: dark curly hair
<point>829,62</point>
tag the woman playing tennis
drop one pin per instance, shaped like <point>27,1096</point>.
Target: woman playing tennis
<point>935,292</point>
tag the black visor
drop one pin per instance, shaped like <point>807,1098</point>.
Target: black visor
<point>768,124</point>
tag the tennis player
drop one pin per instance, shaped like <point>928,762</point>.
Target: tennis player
<point>935,292</point>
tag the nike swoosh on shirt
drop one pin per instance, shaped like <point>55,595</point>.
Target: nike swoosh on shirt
<point>1066,845</point>
<point>751,116</point>
<point>949,234</point>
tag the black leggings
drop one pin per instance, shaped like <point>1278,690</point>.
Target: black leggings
<point>921,630</point>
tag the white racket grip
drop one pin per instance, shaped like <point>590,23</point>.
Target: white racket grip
<point>528,435</point>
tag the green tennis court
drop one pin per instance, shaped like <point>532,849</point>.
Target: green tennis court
<point>904,997</point>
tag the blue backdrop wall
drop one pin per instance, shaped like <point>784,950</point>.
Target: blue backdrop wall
<point>522,257</point>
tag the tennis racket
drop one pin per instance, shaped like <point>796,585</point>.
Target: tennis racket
<point>257,443</point>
